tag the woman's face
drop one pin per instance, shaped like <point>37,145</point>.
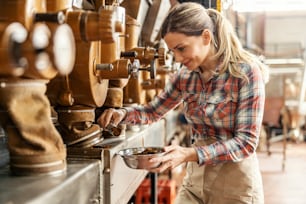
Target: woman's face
<point>191,51</point>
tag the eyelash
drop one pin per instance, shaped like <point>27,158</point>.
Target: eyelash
<point>181,49</point>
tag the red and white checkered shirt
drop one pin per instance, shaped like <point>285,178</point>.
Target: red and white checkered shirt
<point>226,109</point>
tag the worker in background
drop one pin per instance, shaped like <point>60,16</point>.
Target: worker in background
<point>222,87</point>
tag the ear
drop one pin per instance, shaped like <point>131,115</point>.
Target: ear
<point>206,35</point>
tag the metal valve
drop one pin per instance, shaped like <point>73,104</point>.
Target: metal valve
<point>134,68</point>
<point>151,69</point>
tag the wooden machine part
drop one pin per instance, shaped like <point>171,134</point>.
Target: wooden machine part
<point>150,60</point>
<point>12,35</point>
<point>97,32</point>
<point>77,128</point>
<point>21,11</point>
<point>29,60</point>
<point>141,89</point>
<point>52,53</point>
<point>156,15</point>
<point>37,52</point>
<point>35,55</point>
<point>16,18</point>
<point>137,10</point>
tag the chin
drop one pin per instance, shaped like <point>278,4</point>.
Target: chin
<point>191,68</point>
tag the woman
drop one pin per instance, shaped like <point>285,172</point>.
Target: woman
<point>222,88</point>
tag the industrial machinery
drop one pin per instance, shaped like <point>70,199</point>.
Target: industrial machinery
<point>62,63</point>
<point>30,57</point>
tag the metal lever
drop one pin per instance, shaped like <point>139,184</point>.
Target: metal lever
<point>106,67</point>
<point>58,17</point>
<point>128,54</point>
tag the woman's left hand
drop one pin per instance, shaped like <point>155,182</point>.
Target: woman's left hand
<point>175,155</point>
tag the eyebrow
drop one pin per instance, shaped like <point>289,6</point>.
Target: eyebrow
<point>176,47</point>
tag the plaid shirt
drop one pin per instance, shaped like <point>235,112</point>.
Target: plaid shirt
<point>225,109</point>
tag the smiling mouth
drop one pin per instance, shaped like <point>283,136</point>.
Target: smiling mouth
<point>186,63</point>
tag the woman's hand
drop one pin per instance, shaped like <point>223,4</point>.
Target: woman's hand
<point>111,116</point>
<point>175,155</point>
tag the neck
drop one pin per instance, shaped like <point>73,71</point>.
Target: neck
<point>210,63</point>
<point>208,66</point>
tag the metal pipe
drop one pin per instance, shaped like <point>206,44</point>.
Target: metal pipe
<point>154,196</point>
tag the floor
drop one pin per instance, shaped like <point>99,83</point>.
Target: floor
<point>288,186</point>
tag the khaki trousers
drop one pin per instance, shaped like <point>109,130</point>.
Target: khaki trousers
<point>226,183</point>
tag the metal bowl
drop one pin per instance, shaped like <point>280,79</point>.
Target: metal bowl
<point>138,157</point>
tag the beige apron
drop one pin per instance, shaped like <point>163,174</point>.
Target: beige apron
<point>227,183</point>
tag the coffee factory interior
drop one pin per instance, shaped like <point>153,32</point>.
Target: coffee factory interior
<point>63,62</point>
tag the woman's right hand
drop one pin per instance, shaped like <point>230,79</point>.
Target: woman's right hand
<point>111,116</point>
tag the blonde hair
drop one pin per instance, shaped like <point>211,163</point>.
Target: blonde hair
<point>192,18</point>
